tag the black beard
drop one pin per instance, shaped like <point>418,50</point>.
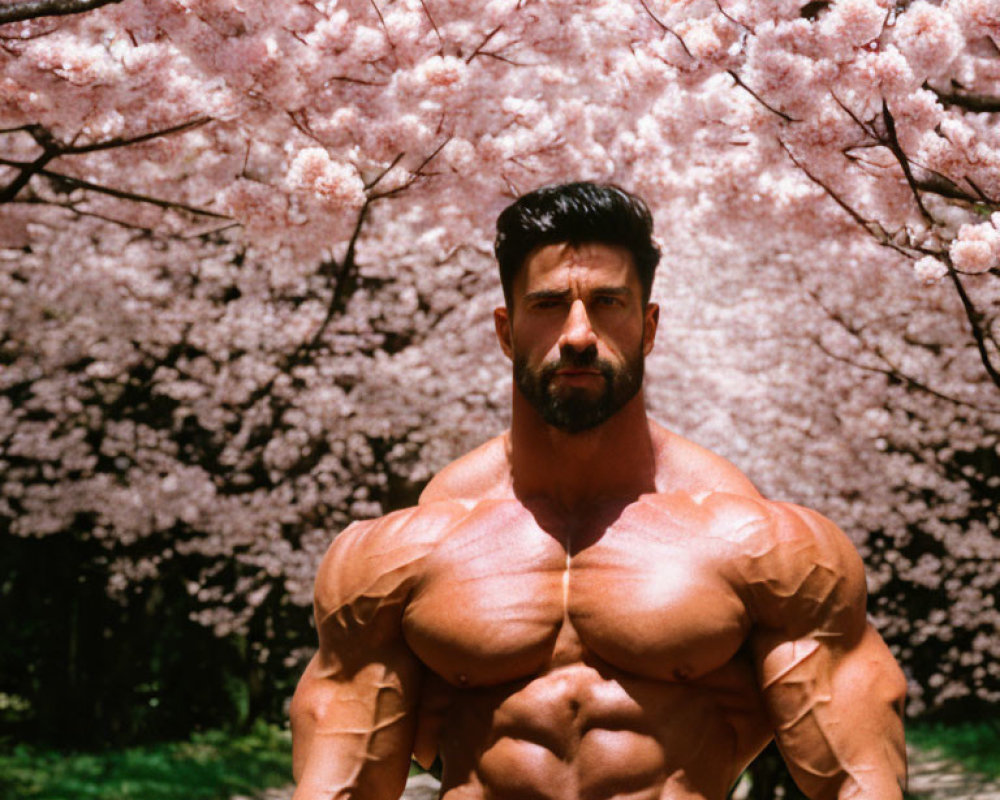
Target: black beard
<point>574,409</point>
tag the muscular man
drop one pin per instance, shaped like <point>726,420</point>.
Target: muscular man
<point>589,606</point>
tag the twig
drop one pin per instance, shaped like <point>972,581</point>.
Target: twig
<point>666,28</point>
<point>381,20</point>
<point>122,194</point>
<point>72,150</point>
<point>896,149</point>
<point>427,11</point>
<point>891,369</point>
<point>371,184</point>
<point>871,227</point>
<point>32,9</point>
<point>414,175</point>
<point>483,43</point>
<point>757,97</point>
<point>974,316</point>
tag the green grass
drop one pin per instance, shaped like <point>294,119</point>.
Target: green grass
<point>216,765</point>
<point>210,766</point>
<point>975,745</point>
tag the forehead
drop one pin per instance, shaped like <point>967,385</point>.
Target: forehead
<point>565,266</point>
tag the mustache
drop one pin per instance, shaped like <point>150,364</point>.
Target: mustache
<point>585,359</point>
<point>580,359</point>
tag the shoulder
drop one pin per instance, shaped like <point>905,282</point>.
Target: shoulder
<point>483,473</point>
<point>374,561</point>
<point>800,571</point>
<point>682,465</point>
<point>793,568</point>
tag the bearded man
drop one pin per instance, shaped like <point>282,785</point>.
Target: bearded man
<point>589,606</point>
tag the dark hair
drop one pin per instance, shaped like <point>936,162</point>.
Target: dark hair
<point>575,213</point>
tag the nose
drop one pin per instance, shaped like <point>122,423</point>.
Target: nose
<point>577,333</point>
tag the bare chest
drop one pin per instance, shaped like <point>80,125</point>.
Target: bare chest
<point>502,599</point>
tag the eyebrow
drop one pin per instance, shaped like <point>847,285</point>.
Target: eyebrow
<point>556,294</point>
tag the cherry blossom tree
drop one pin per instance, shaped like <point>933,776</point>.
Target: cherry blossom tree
<point>246,280</point>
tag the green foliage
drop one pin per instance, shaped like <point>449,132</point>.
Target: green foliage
<point>975,745</point>
<point>80,669</point>
<point>209,766</point>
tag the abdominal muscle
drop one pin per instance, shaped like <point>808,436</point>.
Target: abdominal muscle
<point>586,731</point>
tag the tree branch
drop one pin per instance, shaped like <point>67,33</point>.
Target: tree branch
<point>121,194</point>
<point>344,277</point>
<point>72,150</point>
<point>943,186</point>
<point>733,19</point>
<point>978,103</point>
<point>427,13</point>
<point>28,171</point>
<point>872,228</point>
<point>892,142</point>
<point>974,316</point>
<point>381,20</point>
<point>71,207</point>
<point>53,149</point>
<point>666,28</point>
<point>739,82</point>
<point>417,173</point>
<point>21,10</point>
<point>483,43</point>
<point>890,369</point>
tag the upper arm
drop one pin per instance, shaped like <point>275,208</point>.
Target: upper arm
<point>832,688</point>
<point>353,713</point>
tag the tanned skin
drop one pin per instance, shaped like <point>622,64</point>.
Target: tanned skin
<point>615,613</point>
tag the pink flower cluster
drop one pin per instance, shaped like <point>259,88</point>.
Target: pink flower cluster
<point>274,317</point>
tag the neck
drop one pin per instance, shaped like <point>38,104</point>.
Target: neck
<point>614,460</point>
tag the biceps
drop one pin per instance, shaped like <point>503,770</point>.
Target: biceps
<point>836,712</point>
<point>354,736</point>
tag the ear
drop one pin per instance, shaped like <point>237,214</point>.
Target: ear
<point>501,321</point>
<point>651,319</point>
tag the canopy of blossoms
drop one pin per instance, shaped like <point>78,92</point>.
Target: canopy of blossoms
<point>245,281</point>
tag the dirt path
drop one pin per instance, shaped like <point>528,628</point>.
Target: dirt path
<point>936,778</point>
<point>418,787</point>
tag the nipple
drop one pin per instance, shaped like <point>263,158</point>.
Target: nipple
<point>463,679</point>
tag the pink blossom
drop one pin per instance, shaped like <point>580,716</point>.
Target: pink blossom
<point>336,183</point>
<point>256,205</point>
<point>853,22</point>
<point>977,248</point>
<point>443,71</point>
<point>929,270</point>
<point>929,37</point>
<point>264,408</point>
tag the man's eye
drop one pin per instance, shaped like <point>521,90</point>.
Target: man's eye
<point>608,300</point>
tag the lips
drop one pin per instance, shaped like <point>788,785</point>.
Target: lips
<point>572,373</point>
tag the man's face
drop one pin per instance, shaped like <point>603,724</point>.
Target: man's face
<point>577,333</point>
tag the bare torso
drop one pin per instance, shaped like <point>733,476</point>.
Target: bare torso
<point>645,647</point>
<point>579,670</point>
<point>592,657</point>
